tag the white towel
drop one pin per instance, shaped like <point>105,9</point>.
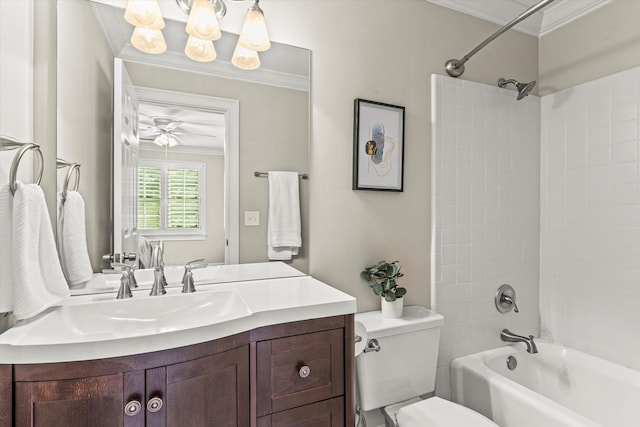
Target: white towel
<point>144,252</point>
<point>6,255</point>
<point>38,282</point>
<point>284,236</point>
<point>72,239</point>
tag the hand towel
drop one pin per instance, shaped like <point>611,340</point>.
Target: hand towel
<point>144,252</point>
<point>38,281</point>
<point>72,239</point>
<point>284,236</point>
<point>6,253</point>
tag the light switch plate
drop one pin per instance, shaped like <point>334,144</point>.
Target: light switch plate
<point>251,218</point>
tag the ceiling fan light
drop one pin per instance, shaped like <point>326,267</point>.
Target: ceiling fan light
<point>200,50</point>
<point>145,14</point>
<point>244,58</point>
<point>148,41</point>
<point>161,140</point>
<point>172,141</point>
<point>254,33</point>
<point>202,22</point>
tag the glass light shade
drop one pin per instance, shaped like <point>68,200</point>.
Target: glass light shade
<point>148,41</point>
<point>202,23</point>
<point>244,58</point>
<point>254,33</point>
<point>165,140</point>
<point>144,14</point>
<point>200,50</point>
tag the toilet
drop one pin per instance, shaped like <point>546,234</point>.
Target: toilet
<point>404,368</point>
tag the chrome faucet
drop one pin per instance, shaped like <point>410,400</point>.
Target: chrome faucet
<point>127,281</point>
<point>508,336</point>
<point>187,277</point>
<point>157,255</point>
<point>159,282</point>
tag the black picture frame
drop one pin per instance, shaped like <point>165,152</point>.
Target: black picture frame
<point>378,146</point>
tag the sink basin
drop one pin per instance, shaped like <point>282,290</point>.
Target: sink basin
<point>143,315</point>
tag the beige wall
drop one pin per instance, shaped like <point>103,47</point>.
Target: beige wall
<point>382,51</point>
<point>274,135</point>
<point>600,43</point>
<point>179,252</point>
<point>85,117</point>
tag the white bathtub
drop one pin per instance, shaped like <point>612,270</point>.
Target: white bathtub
<point>558,387</point>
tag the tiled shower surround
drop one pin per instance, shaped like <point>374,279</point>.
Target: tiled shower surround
<point>486,230</point>
<point>590,218</point>
<point>543,194</point>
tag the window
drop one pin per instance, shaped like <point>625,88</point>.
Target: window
<point>170,199</point>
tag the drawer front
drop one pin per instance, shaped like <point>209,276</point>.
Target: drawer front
<point>328,413</point>
<point>299,370</point>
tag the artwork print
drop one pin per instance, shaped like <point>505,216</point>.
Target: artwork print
<point>378,146</point>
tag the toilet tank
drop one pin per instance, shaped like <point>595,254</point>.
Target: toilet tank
<point>405,366</point>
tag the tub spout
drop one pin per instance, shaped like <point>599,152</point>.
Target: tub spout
<point>508,336</point>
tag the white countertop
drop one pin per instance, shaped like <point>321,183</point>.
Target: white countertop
<point>52,336</point>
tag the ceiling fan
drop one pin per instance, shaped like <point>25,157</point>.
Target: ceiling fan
<point>163,132</point>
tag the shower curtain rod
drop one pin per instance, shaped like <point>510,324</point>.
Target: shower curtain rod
<point>455,67</point>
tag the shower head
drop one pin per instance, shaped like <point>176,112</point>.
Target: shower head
<point>523,88</point>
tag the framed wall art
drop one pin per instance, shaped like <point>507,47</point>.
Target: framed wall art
<point>378,146</point>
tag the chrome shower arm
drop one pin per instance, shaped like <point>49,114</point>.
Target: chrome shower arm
<point>455,67</point>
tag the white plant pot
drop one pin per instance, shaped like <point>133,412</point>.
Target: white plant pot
<point>392,309</point>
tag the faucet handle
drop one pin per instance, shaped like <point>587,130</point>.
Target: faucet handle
<point>191,265</point>
<point>129,269</point>
<point>125,290</point>
<point>187,277</point>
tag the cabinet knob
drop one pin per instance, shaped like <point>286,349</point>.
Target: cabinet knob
<point>132,408</point>
<point>304,371</point>
<point>154,404</point>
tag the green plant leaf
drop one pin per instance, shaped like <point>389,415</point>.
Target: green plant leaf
<point>400,292</point>
<point>390,297</point>
<point>365,275</point>
<point>377,289</point>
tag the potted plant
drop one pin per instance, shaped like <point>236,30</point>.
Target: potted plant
<point>383,277</point>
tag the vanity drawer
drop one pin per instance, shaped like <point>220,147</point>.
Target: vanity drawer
<point>299,370</point>
<point>328,413</point>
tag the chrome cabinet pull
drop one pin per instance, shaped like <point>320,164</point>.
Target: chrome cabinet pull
<point>304,371</point>
<point>154,404</point>
<point>132,408</point>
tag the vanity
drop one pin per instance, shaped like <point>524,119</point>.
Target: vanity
<point>262,352</point>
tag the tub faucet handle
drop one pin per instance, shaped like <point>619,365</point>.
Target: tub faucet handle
<point>509,300</point>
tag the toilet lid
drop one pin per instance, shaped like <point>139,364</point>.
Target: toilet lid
<point>436,412</point>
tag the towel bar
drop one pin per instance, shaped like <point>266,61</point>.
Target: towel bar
<point>266,174</point>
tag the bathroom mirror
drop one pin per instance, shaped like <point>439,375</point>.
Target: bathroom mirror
<point>273,117</point>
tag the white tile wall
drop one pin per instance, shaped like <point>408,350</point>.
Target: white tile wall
<point>486,192</point>
<point>590,218</point>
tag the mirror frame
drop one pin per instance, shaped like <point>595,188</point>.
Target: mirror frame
<point>230,108</point>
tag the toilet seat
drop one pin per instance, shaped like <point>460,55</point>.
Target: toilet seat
<point>437,412</point>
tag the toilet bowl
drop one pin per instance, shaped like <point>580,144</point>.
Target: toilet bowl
<point>398,365</point>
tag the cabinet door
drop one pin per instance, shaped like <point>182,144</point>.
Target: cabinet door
<point>210,391</point>
<point>83,402</point>
<point>328,413</point>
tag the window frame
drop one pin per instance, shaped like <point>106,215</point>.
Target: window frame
<point>164,232</point>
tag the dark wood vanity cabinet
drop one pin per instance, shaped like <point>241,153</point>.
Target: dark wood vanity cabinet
<point>287,375</point>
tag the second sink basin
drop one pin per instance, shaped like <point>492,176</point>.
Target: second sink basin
<point>144,315</point>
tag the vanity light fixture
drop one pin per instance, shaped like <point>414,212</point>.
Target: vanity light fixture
<point>203,28</point>
<point>254,33</point>
<point>144,14</point>
<point>148,40</point>
<point>245,59</point>
<point>200,50</point>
